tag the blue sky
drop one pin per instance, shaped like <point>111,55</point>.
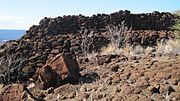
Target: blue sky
<point>21,14</point>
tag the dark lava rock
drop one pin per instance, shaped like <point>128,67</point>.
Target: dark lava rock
<point>20,58</point>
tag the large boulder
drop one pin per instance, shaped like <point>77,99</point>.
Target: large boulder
<point>62,69</point>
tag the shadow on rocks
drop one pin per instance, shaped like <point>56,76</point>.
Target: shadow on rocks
<point>89,78</point>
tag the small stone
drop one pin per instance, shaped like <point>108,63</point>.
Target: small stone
<point>144,98</point>
<point>109,81</point>
<point>149,74</point>
<point>141,84</point>
<point>117,98</point>
<point>135,76</point>
<point>133,57</point>
<point>165,88</point>
<point>99,96</point>
<point>175,96</point>
<point>162,75</point>
<point>83,89</point>
<point>157,97</point>
<point>125,76</point>
<point>132,97</point>
<point>72,95</point>
<point>137,91</point>
<point>28,69</point>
<point>126,90</point>
<point>114,67</point>
<point>55,51</point>
<point>153,89</point>
<point>116,80</point>
<point>85,95</point>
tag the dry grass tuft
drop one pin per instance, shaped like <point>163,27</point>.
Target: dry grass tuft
<point>169,47</point>
<point>128,50</point>
<point>148,50</point>
<point>1,87</point>
<point>110,49</point>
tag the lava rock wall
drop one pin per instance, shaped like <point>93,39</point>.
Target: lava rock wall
<point>19,59</point>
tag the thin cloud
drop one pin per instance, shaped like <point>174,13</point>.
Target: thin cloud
<point>14,22</point>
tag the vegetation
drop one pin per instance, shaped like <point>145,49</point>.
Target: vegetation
<point>176,26</point>
<point>170,47</point>
<point>118,46</point>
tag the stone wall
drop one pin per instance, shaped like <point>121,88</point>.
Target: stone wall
<point>20,59</point>
<point>99,22</point>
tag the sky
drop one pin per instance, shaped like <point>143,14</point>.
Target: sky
<point>22,14</point>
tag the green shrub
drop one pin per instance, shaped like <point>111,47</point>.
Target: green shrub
<point>176,26</point>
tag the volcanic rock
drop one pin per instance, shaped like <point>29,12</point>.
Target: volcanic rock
<point>55,35</point>
<point>13,92</point>
<point>62,69</point>
<point>46,49</point>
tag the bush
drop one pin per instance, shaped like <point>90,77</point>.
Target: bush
<point>176,26</point>
<point>169,47</point>
<point>117,39</point>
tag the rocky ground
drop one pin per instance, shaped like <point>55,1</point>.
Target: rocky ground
<point>134,78</point>
<point>117,77</point>
<point>62,59</point>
